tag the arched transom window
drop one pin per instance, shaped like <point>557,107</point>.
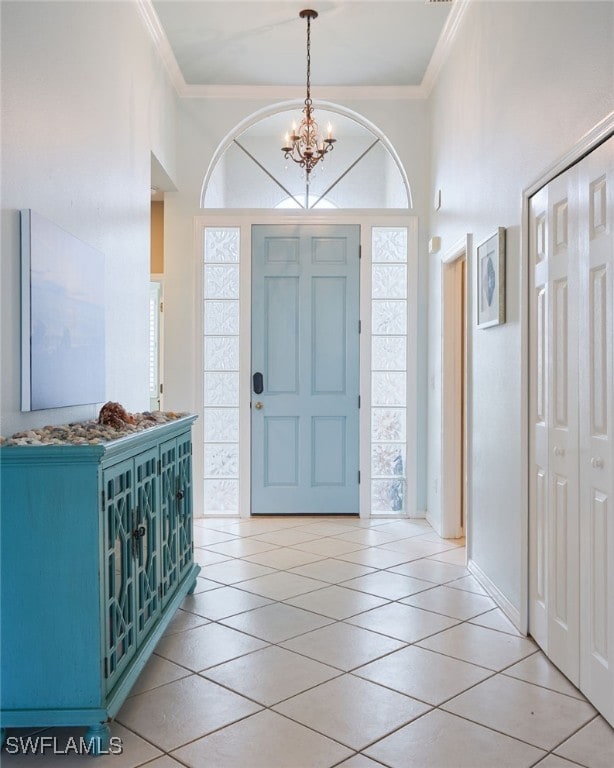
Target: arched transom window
<point>250,170</point>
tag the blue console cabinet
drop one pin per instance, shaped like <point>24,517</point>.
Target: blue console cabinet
<point>96,555</point>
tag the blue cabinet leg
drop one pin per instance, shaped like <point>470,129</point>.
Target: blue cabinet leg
<point>97,738</point>
<point>192,587</point>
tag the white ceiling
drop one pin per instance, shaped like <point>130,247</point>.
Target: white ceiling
<point>252,43</point>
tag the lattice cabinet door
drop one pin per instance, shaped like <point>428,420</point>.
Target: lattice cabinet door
<point>184,504</point>
<point>119,577</point>
<point>145,538</point>
<point>169,521</point>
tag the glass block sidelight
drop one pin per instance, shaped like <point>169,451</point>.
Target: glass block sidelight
<point>222,247</point>
<point>389,353</point>
<point>389,313</point>
<point>389,317</point>
<point>221,497</point>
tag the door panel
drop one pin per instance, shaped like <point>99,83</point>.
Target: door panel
<point>328,450</point>
<point>571,532</point>
<point>563,525</point>
<point>145,541</point>
<point>329,334</point>
<point>119,572</point>
<point>305,341</point>
<point>539,415</point>
<point>281,450</point>
<point>281,342</point>
<point>597,425</point>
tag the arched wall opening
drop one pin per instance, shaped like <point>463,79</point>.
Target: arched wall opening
<point>249,170</point>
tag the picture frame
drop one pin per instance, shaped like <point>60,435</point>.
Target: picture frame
<point>491,280</point>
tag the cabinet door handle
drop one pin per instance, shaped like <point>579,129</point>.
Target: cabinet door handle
<point>180,494</point>
<point>597,462</point>
<point>139,532</point>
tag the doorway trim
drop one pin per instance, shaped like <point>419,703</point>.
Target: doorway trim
<point>453,485</point>
<point>366,220</point>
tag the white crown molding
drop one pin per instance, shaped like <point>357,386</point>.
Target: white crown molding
<point>444,45</point>
<point>158,35</point>
<point>284,92</point>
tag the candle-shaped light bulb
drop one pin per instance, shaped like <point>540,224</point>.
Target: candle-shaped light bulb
<point>287,140</point>
<point>330,131</point>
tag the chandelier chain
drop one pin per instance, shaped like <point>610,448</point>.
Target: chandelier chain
<point>308,99</point>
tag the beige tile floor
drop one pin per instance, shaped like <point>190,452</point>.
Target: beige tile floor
<point>321,642</point>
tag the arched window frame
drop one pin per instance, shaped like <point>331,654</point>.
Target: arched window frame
<point>288,106</point>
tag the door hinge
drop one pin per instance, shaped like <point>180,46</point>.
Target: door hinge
<point>359,401</point>
<point>161,306</point>
<point>102,499</point>
<point>106,668</point>
<point>358,477</point>
<point>161,389</point>
<point>360,251</point>
<point>359,326</point>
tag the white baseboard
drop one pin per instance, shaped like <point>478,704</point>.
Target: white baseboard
<point>434,523</point>
<point>512,613</point>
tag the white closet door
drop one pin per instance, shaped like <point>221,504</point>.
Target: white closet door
<point>596,430</point>
<point>555,422</point>
<point>538,418</point>
<point>563,565</point>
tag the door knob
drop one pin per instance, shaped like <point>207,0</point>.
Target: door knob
<point>558,451</point>
<point>597,462</point>
<point>258,405</point>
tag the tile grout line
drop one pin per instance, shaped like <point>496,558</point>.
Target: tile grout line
<point>333,621</point>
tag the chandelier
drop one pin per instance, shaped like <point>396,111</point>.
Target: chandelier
<point>304,144</point>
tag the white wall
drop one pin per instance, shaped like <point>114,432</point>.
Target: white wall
<point>523,84</point>
<point>85,100</point>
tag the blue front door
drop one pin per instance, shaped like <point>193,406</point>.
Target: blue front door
<point>305,369</point>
